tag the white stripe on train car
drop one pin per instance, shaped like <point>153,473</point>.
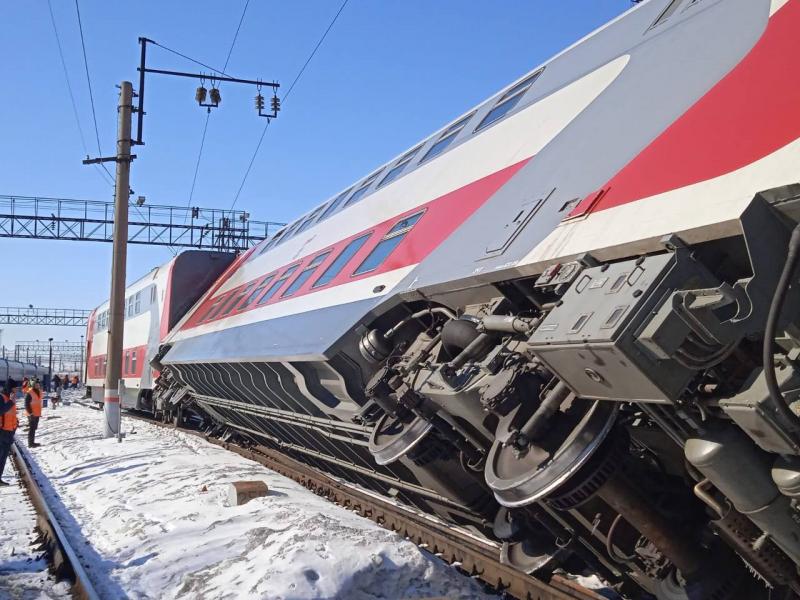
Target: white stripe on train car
<point>715,202</point>
<point>335,296</point>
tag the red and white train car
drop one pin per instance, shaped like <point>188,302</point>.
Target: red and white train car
<point>568,319</point>
<point>153,305</point>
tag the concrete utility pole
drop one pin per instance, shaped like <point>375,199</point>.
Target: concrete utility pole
<point>119,257</point>
<point>81,374</point>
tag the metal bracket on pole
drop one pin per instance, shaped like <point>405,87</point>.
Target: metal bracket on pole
<point>216,78</point>
<point>115,159</point>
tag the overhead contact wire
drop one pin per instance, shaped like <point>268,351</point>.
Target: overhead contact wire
<point>71,94</point>
<point>283,100</point>
<point>89,83</point>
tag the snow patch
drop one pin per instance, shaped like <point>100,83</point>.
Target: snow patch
<point>153,514</point>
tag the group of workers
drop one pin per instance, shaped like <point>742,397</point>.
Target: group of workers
<point>9,422</point>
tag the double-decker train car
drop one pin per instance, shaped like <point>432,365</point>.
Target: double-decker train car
<point>567,319</point>
<point>153,305</point>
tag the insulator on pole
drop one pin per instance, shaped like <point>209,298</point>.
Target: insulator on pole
<point>259,102</point>
<point>200,95</point>
<point>216,98</point>
<point>276,104</point>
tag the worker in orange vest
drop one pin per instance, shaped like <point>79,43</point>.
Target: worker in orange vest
<point>33,408</point>
<point>8,424</point>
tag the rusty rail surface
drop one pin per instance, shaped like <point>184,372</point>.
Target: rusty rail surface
<point>63,558</point>
<point>473,555</point>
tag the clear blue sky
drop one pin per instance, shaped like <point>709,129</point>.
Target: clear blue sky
<point>388,74</point>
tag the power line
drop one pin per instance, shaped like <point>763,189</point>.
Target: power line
<point>314,51</point>
<point>89,82</point>
<point>236,35</point>
<point>189,58</point>
<point>199,156</point>
<point>103,175</point>
<point>285,96</point>
<point>208,114</point>
<point>91,99</point>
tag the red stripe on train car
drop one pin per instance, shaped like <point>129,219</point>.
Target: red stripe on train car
<point>756,102</point>
<point>442,216</point>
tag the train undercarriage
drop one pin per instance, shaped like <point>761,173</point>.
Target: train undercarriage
<point>633,417</point>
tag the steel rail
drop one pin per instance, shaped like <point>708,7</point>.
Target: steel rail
<point>476,556</point>
<point>63,557</point>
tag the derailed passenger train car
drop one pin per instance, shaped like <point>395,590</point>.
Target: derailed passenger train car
<point>153,305</point>
<point>564,319</point>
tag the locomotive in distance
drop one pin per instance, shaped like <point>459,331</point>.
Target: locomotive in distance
<point>566,320</point>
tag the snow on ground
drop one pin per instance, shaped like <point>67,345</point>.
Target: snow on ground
<point>23,570</point>
<point>151,514</point>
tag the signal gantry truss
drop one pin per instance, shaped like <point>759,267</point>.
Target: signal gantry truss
<point>92,220</point>
<point>61,317</point>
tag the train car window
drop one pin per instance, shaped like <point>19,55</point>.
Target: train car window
<point>257,292</point>
<point>395,171</point>
<point>508,101</point>
<point>361,190</point>
<point>215,310</point>
<point>212,309</point>
<point>137,304</point>
<point>278,284</point>
<point>309,220</point>
<point>446,138</point>
<point>305,274</point>
<point>291,231</point>
<point>671,8</point>
<point>335,204</point>
<point>126,368</point>
<point>236,298</point>
<point>130,306</point>
<point>387,245</point>
<point>133,362</point>
<point>153,295</point>
<point>339,263</point>
<point>275,239</point>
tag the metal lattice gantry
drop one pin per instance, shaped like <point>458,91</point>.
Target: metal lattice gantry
<point>61,317</point>
<point>64,353</point>
<point>92,220</point>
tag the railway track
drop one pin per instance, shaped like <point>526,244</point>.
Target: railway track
<point>475,556</point>
<point>65,561</point>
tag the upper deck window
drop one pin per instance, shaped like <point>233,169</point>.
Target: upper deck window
<point>387,245</point>
<point>278,284</point>
<point>272,242</point>
<point>508,100</point>
<point>309,221</point>
<point>335,204</point>
<point>446,138</point>
<point>305,274</point>
<point>395,171</point>
<point>361,190</point>
<point>339,263</point>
